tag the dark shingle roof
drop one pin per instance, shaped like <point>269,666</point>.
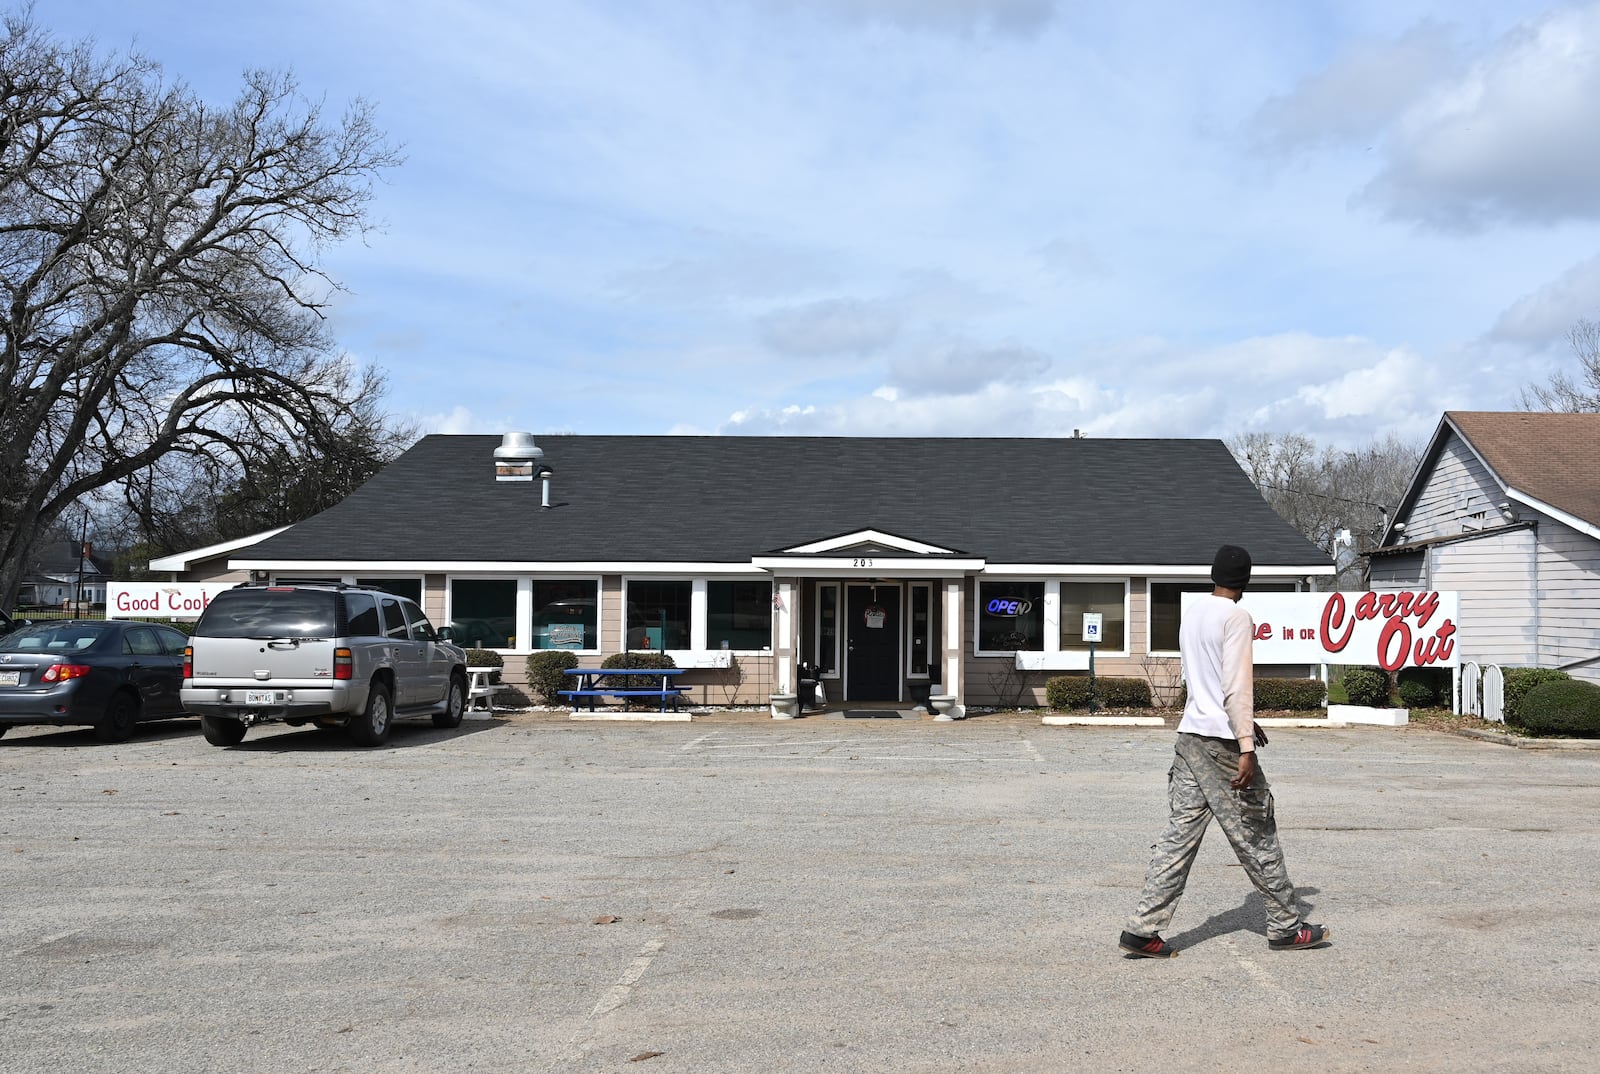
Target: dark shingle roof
<point>724,499</point>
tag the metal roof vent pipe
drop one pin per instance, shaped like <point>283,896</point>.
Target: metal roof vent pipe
<point>544,474</point>
<point>517,457</point>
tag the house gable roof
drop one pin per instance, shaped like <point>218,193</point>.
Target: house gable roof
<point>1552,460</point>
<point>727,499</point>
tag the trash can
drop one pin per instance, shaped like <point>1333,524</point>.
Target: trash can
<point>808,687</point>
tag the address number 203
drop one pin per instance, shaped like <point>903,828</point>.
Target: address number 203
<point>861,563</point>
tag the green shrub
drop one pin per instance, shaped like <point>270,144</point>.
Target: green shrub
<point>640,659</point>
<point>486,658</point>
<point>1424,688</point>
<point>1294,695</point>
<point>1367,686</point>
<point>545,674</point>
<point>1562,707</point>
<point>1519,682</point>
<point>1110,691</point>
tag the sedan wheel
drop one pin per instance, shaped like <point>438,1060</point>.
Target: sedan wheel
<point>371,728</point>
<point>116,724</point>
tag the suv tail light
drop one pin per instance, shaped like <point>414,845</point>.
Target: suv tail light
<point>188,661</point>
<point>63,672</point>
<point>343,664</point>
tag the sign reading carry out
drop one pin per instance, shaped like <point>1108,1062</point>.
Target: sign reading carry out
<point>1386,630</point>
<point>170,600</point>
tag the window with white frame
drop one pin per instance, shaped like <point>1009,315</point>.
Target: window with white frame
<point>483,612</point>
<point>660,613</point>
<point>739,613</point>
<point>1166,608</point>
<point>1107,599</point>
<point>1010,616</point>
<point>919,638</point>
<point>566,614</point>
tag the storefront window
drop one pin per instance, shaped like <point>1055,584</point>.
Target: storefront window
<point>1106,598</point>
<point>739,613</point>
<point>1010,616</point>
<point>658,615</point>
<point>564,615</point>
<point>483,612</point>
<point>1166,608</point>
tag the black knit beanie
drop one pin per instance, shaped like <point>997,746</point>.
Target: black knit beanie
<point>1231,568</point>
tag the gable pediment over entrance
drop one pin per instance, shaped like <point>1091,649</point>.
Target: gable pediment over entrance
<point>868,542</point>
<point>868,553</point>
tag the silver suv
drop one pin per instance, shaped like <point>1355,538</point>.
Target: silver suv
<point>329,655</point>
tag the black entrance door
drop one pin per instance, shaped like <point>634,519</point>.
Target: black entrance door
<point>872,636</point>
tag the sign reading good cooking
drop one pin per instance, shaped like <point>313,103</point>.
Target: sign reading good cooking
<point>153,600</point>
<point>1386,630</point>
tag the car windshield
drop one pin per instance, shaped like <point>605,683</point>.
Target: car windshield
<point>53,638</point>
<point>268,613</point>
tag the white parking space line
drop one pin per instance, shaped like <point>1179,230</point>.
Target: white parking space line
<point>767,749</point>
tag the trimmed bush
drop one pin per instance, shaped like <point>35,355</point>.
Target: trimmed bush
<point>486,658</point>
<point>1367,686</point>
<point>1293,695</point>
<point>1520,681</point>
<point>641,659</point>
<point>1562,707</point>
<point>545,674</point>
<point>1424,688</point>
<point>1110,691</point>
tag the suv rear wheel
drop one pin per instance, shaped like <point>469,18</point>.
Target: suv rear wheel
<point>455,703</point>
<point>221,731</point>
<point>371,728</point>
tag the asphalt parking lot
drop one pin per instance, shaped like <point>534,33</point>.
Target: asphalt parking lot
<point>532,894</point>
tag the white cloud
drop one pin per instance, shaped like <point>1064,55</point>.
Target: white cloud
<point>1550,312</point>
<point>837,326</point>
<point>1513,138</point>
<point>962,367</point>
<point>1360,92</point>
<point>1022,18</point>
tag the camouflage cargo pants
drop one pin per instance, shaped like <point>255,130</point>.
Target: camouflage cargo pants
<point>1197,790</point>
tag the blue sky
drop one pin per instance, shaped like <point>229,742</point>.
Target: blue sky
<point>945,217</point>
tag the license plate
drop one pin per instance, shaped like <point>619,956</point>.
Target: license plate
<point>10,678</point>
<point>258,697</point>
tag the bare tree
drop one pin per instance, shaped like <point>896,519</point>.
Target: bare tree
<point>1564,394</point>
<point>162,301</point>
<point>1341,500</point>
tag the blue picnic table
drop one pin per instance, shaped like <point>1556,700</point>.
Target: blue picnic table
<point>591,684</point>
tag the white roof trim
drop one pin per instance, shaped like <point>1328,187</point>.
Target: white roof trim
<point>1146,570</point>
<point>499,566</point>
<point>905,544</point>
<point>1555,512</point>
<point>179,561</point>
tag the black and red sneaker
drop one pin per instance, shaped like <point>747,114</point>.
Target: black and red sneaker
<point>1301,939</point>
<point>1146,946</point>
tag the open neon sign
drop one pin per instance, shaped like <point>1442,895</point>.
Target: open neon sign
<point>1009,607</point>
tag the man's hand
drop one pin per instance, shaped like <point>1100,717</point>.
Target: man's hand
<point>1247,772</point>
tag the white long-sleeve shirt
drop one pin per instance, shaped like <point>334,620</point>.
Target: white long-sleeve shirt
<point>1217,643</point>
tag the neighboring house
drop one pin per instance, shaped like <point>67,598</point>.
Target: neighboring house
<point>60,573</point>
<point>890,565</point>
<point>1505,510</point>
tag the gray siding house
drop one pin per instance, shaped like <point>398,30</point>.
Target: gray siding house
<point>889,566</point>
<point>1505,510</point>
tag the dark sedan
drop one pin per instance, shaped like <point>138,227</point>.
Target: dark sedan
<point>105,674</point>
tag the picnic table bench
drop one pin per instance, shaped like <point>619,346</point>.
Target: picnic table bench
<point>591,684</point>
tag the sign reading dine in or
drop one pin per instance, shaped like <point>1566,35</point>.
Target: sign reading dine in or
<point>1386,630</point>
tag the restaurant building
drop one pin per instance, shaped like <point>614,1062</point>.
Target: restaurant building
<point>889,567</point>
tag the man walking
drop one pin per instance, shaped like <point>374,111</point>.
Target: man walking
<point>1216,773</point>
